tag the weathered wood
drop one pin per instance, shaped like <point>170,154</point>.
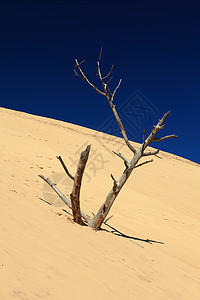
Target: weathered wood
<point>63,198</point>
<point>106,93</point>
<point>99,218</point>
<point>126,161</point>
<point>150,153</point>
<point>75,195</point>
<point>65,168</point>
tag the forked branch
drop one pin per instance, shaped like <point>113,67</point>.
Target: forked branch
<point>63,198</point>
<point>126,161</point>
<point>108,94</point>
<point>75,195</point>
<point>152,137</point>
<point>86,79</point>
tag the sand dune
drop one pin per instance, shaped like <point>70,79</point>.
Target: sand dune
<point>44,255</point>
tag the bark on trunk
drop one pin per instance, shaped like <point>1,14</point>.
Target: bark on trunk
<point>99,218</point>
<point>63,198</point>
<point>75,195</point>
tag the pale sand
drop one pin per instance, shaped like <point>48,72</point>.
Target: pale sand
<point>44,255</point>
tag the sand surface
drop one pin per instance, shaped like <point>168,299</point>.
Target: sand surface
<point>44,255</point>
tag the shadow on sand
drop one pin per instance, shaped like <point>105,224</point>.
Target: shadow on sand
<point>115,231</point>
<point>133,238</point>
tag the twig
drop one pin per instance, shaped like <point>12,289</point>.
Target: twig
<point>100,54</point>
<point>144,163</point>
<point>126,161</point>
<point>77,74</point>
<point>116,90</point>
<point>78,65</point>
<point>64,166</point>
<point>114,183</point>
<point>165,138</point>
<point>109,89</point>
<point>87,80</point>
<point>108,83</point>
<point>143,140</point>
<point>109,72</point>
<point>107,220</point>
<point>150,153</point>
<point>113,177</point>
<point>154,131</point>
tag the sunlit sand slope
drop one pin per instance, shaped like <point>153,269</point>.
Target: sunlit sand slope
<point>150,248</point>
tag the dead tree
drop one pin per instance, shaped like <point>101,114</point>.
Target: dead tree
<point>96,221</point>
<point>74,204</point>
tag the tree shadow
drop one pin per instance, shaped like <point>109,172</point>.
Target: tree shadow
<point>114,230</point>
<point>121,234</point>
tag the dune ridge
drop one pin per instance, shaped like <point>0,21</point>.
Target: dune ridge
<point>150,248</point>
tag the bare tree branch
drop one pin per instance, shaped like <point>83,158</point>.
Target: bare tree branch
<point>112,177</point>
<point>63,198</point>
<point>161,127</point>
<point>114,182</point>
<point>110,100</point>
<point>77,74</point>
<point>143,140</point>
<point>144,136</point>
<point>107,85</point>
<point>163,118</point>
<point>116,90</point>
<point>100,54</point>
<point>87,80</point>
<point>154,131</point>
<point>100,77</point>
<point>150,153</point>
<point>64,166</point>
<point>126,161</point>
<point>108,219</point>
<point>121,125</point>
<point>143,163</point>
<point>165,138</point>
<point>100,216</point>
<point>109,88</point>
<point>107,93</point>
<point>104,77</point>
<point>78,65</point>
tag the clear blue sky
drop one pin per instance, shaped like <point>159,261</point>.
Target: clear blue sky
<point>154,45</point>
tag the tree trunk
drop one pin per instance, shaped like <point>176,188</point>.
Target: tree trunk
<point>75,195</point>
<point>99,218</point>
<point>63,198</point>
